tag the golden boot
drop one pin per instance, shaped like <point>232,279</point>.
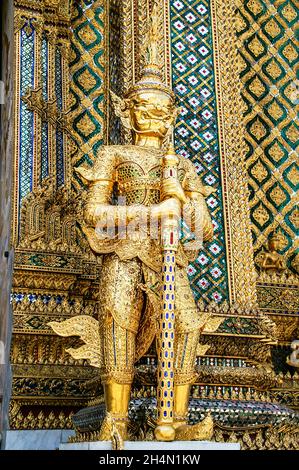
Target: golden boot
<point>114,426</point>
<point>185,432</point>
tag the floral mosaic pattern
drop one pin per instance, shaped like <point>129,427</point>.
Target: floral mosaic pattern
<point>196,132</point>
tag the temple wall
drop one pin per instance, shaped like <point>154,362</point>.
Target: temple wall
<point>69,54</point>
<point>6,253</point>
<point>60,99</point>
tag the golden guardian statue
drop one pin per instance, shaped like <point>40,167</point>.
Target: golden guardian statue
<point>128,199</point>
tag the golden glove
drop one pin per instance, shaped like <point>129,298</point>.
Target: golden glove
<point>171,188</point>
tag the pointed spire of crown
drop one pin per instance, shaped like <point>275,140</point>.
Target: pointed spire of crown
<point>151,75</point>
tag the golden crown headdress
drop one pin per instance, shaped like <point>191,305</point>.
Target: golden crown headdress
<point>151,76</point>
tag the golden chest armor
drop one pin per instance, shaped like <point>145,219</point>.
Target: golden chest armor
<point>138,179</point>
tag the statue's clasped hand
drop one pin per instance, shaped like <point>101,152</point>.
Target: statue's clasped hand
<point>171,207</point>
<point>172,188</point>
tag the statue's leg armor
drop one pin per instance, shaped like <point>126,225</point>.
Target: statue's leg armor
<point>185,354</point>
<point>187,334</point>
<point>186,342</point>
<point>121,303</point>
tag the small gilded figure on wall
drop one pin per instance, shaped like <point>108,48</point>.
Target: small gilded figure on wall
<point>271,260</point>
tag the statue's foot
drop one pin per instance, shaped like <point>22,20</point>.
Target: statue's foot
<point>114,430</point>
<point>202,431</point>
<point>105,432</point>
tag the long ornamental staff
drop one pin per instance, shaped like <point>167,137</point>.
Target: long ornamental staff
<point>165,341</point>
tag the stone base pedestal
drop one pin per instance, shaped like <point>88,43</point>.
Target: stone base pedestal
<point>153,445</point>
<point>37,440</point>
